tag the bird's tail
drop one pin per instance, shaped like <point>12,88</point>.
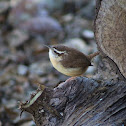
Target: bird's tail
<point>91,56</point>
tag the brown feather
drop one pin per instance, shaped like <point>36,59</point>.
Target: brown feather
<point>73,58</point>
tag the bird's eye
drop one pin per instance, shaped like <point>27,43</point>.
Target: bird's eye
<point>55,52</point>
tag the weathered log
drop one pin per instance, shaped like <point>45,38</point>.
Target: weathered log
<point>80,101</point>
<point>91,102</point>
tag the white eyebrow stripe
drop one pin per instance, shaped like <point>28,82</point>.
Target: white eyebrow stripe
<point>60,52</point>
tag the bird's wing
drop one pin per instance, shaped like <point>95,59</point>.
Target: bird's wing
<point>75,60</point>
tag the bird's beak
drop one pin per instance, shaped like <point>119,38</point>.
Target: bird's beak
<point>48,46</point>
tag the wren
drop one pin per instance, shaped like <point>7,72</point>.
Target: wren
<point>69,61</point>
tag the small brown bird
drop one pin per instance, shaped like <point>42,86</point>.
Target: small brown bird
<point>69,61</point>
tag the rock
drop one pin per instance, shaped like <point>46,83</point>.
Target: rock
<point>23,10</point>
<point>22,70</point>
<point>52,4</point>
<point>41,25</point>
<point>4,5</point>
<point>40,68</point>
<point>16,38</point>
<point>13,3</point>
<point>34,19</point>
<point>88,34</point>
<point>67,18</point>
<point>4,12</point>
<point>91,70</point>
<point>78,44</point>
<point>76,26</point>
<point>88,11</point>
<point>10,104</point>
<point>27,9</point>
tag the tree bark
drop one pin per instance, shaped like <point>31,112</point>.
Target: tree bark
<point>84,101</point>
<point>110,27</point>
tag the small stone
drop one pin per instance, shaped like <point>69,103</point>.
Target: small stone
<point>10,103</point>
<point>88,34</point>
<point>67,18</point>
<point>17,38</point>
<point>78,44</point>
<point>42,25</point>
<point>40,68</point>
<point>90,70</point>
<point>22,70</point>
<point>101,99</point>
<point>42,111</point>
<point>24,10</point>
<point>4,5</point>
<point>61,113</point>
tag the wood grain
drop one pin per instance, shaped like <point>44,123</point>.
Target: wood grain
<point>82,102</point>
<point>110,31</point>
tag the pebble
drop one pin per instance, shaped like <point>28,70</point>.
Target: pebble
<point>22,70</point>
<point>4,5</point>
<point>40,68</point>
<point>41,25</point>
<point>78,44</point>
<point>88,34</point>
<point>17,38</point>
<point>67,18</point>
<point>90,70</point>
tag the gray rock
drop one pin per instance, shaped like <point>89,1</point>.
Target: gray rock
<point>78,44</point>
<point>16,38</point>
<point>88,34</point>
<point>41,25</point>
<point>4,5</point>
<point>40,68</point>
<point>22,70</point>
